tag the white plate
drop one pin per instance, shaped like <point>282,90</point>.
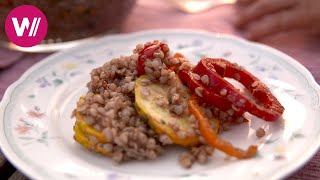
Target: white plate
<point>36,130</point>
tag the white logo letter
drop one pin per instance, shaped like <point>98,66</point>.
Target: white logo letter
<point>25,25</point>
<point>20,29</point>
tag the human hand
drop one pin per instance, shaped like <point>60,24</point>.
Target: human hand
<point>261,18</point>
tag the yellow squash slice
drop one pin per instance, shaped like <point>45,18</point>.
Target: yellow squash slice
<point>159,117</point>
<point>83,131</point>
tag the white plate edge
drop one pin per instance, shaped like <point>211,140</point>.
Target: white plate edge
<point>12,157</point>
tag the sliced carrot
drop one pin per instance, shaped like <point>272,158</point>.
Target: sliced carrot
<point>178,55</point>
<point>212,138</point>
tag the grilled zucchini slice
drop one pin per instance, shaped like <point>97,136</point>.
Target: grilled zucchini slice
<point>159,117</point>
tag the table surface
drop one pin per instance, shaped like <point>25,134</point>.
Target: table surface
<point>153,14</point>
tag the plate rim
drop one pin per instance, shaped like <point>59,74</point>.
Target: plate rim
<point>28,171</point>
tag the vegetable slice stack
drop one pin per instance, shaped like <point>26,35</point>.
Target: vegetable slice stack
<point>83,132</point>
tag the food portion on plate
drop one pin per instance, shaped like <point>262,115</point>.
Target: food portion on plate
<point>137,105</point>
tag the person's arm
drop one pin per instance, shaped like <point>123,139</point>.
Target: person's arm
<point>261,18</point>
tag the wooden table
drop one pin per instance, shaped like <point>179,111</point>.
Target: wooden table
<point>152,14</point>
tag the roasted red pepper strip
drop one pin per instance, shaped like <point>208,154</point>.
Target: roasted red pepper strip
<point>217,69</point>
<point>147,53</point>
<point>212,138</point>
<point>208,96</point>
